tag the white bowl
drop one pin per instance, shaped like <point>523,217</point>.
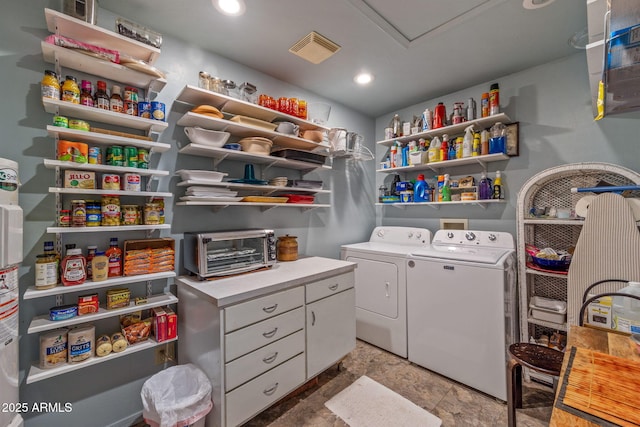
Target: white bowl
<point>209,137</point>
<point>200,175</point>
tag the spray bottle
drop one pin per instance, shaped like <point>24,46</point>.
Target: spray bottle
<point>427,119</point>
<point>467,143</point>
<point>485,190</point>
<point>444,147</point>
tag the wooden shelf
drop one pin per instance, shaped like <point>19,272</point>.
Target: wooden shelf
<point>82,191</point>
<point>32,292</point>
<point>104,228</point>
<point>42,323</point>
<point>38,374</point>
<point>52,164</point>
<point>105,139</point>
<point>447,164</point>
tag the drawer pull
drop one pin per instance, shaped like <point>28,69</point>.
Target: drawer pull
<point>333,287</point>
<point>386,289</point>
<point>270,334</point>
<point>271,358</point>
<point>272,390</point>
<point>313,318</point>
<point>270,309</point>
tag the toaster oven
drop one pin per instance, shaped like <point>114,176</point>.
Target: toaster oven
<point>223,253</point>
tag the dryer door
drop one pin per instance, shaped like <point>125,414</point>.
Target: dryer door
<point>376,286</point>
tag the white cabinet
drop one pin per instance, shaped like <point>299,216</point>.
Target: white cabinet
<point>331,321</point>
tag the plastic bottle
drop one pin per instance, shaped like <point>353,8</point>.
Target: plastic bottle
<point>74,268</point>
<point>444,147</point>
<point>484,188</point>
<point>433,153</point>
<point>70,91</point>
<point>396,126</point>
<point>91,252</point>
<point>471,109</point>
<point>497,142</point>
<point>100,266</point>
<point>394,185</point>
<point>459,141</point>
<point>405,155</point>
<point>467,142</point>
<point>476,144</point>
<point>626,311</point>
<point>446,189</point>
<point>420,193</point>
<point>452,150</point>
<point>114,253</point>
<point>497,187</point>
<point>484,143</point>
<point>102,99</point>
<point>85,94</point>
<point>50,86</point>
<point>494,99</point>
<point>115,102</point>
<point>427,119</point>
<point>392,155</point>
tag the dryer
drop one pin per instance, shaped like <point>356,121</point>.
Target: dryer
<point>381,284</point>
<point>462,307</point>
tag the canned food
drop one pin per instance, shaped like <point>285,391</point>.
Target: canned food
<point>130,215</point>
<point>131,182</point>
<point>131,157</point>
<point>94,213</point>
<point>78,213</point>
<point>130,94</point>
<point>152,213</point>
<point>79,125</point>
<point>60,121</point>
<point>157,111</point>
<point>110,210</point>
<point>110,181</point>
<point>115,155</point>
<point>131,108</point>
<point>143,158</point>
<point>144,109</point>
<point>160,202</point>
<point>95,155</point>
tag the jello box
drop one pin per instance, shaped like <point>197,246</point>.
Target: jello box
<point>79,179</point>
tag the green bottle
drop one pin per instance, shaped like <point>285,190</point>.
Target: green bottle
<point>446,189</point>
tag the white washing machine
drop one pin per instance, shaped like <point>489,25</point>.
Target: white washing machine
<point>462,307</point>
<point>381,284</point>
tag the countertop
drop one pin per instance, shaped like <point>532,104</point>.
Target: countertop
<point>594,339</point>
<point>283,275</point>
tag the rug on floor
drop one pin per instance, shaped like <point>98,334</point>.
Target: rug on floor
<point>366,403</point>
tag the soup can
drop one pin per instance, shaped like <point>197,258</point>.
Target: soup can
<point>130,94</point>
<point>95,155</point>
<point>115,155</point>
<point>143,158</point>
<point>144,109</point>
<point>157,111</point>
<point>131,157</point>
<point>131,108</point>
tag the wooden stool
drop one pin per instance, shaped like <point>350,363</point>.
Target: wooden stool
<point>536,357</point>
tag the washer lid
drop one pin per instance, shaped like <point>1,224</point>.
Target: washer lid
<point>477,254</point>
<point>379,248</point>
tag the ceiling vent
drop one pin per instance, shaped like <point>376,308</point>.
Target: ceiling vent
<point>314,47</point>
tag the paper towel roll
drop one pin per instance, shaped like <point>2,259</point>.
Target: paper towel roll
<point>582,207</point>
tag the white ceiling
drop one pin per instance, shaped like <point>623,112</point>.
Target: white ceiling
<point>416,49</point>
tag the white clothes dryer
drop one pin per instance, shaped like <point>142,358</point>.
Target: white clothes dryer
<point>381,284</point>
<point>462,307</point>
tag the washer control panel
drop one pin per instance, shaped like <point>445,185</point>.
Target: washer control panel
<point>497,239</point>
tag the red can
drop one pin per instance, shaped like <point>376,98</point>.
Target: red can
<point>131,108</point>
<point>283,105</point>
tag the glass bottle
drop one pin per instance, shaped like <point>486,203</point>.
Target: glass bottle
<point>115,102</point>
<point>85,94</point>
<point>114,253</point>
<point>91,253</point>
<point>102,99</point>
<point>70,90</point>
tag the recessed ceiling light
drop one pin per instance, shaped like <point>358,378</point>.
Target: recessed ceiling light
<point>536,4</point>
<point>230,7</point>
<point>363,78</point>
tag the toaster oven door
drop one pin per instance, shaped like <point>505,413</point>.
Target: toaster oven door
<point>234,255</point>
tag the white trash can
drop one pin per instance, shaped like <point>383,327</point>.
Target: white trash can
<point>179,396</point>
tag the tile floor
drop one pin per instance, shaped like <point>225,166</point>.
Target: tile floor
<point>454,403</point>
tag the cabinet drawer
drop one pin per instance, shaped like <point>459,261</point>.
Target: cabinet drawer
<point>249,399</point>
<point>245,340</point>
<point>255,363</point>
<point>325,287</point>
<point>246,313</point>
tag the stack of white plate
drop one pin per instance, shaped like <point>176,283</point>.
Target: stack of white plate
<point>279,181</point>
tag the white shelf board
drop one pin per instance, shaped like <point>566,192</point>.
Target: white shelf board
<point>246,131</point>
<point>78,111</point>
<point>437,204</point>
<point>545,273</point>
<point>36,373</point>
<point>196,96</point>
<point>105,139</point>
<point>481,123</point>
<point>223,153</point>
<point>104,228</point>
<point>82,191</point>
<point>32,292</point>
<point>42,323</point>
<point>445,164</point>
<point>52,164</point>
<point>270,205</point>
<point>78,29</point>
<point>554,221</point>
<point>239,186</point>
<point>69,58</point>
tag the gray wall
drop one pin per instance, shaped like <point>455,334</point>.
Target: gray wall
<point>109,393</point>
<point>552,102</point>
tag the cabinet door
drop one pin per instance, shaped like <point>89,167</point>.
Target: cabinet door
<point>331,330</point>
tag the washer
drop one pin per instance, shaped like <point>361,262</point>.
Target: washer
<point>462,307</point>
<point>381,284</point>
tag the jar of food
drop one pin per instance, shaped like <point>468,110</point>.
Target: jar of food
<point>115,102</point>
<point>50,86</point>
<point>129,214</point>
<point>287,248</point>
<point>203,80</point>
<point>94,213</point>
<point>78,213</point>
<point>216,85</point>
<point>110,210</point>
<point>152,213</point>
<point>70,90</point>
<point>64,219</point>
<point>46,271</point>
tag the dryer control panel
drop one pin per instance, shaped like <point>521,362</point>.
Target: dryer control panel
<point>496,239</point>
<point>401,235</point>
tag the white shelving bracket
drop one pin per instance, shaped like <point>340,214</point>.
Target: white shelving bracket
<point>149,289</point>
<point>218,160</point>
<point>58,300</point>
<point>267,208</point>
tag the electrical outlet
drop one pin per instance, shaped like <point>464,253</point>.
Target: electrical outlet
<point>165,353</point>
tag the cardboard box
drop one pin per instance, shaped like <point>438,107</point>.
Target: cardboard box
<point>172,323</point>
<point>599,312</point>
<point>88,304</point>
<point>159,324</point>
<point>144,256</point>
<point>79,179</point>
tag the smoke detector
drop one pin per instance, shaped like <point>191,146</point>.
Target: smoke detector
<point>314,47</point>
